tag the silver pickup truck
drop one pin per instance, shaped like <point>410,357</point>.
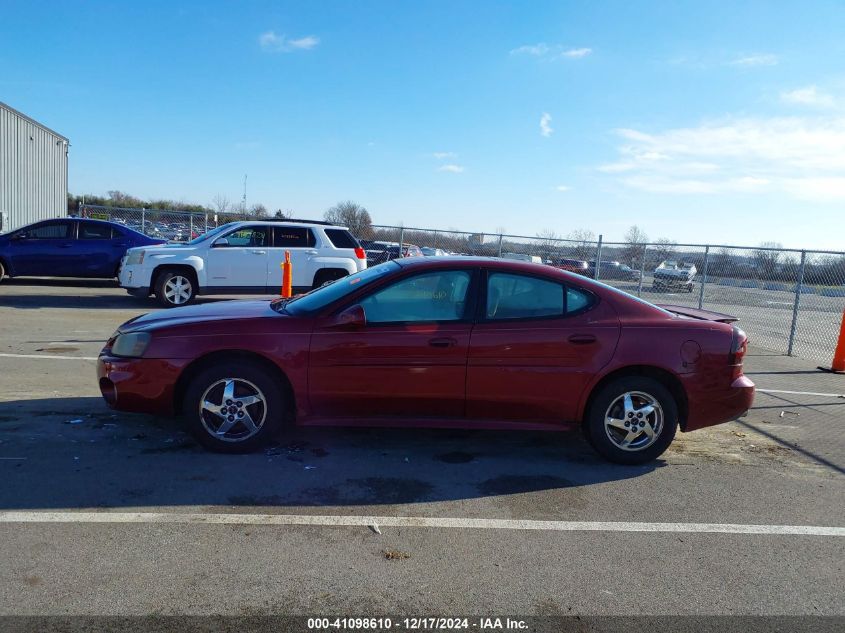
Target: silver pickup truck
<point>671,275</point>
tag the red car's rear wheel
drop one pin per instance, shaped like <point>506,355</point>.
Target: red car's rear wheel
<point>632,420</point>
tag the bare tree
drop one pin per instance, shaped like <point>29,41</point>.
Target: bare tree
<point>664,249</point>
<point>585,247</point>
<point>258,211</point>
<point>283,215</point>
<point>353,216</point>
<point>766,261</point>
<point>635,240</point>
<point>220,203</point>
<point>548,242</point>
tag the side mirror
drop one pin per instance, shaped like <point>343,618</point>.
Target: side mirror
<point>353,318</point>
<point>18,236</point>
<point>221,242</point>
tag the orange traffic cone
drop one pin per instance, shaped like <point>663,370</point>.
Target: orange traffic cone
<point>838,364</point>
<point>287,276</point>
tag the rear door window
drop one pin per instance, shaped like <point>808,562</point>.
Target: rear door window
<point>293,237</point>
<point>91,231</point>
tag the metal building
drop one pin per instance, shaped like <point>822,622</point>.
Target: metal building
<point>33,170</point>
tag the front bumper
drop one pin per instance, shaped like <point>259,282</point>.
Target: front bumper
<point>141,385</point>
<point>135,280</point>
<point>711,407</point>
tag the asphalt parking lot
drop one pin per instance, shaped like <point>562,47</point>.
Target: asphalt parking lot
<point>360,521</point>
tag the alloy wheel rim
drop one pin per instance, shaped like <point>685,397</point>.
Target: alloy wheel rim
<point>177,290</point>
<point>634,421</point>
<point>233,409</point>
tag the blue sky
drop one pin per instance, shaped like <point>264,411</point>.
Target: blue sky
<point>698,121</point>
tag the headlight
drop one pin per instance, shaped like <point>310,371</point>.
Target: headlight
<point>135,257</point>
<point>132,345</point>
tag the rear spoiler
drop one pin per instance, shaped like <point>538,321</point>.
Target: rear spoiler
<point>704,315</point>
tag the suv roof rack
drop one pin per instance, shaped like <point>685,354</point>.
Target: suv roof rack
<point>323,222</point>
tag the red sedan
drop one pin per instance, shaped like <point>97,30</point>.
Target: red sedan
<point>436,342</point>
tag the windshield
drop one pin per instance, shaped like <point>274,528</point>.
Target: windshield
<point>328,293</point>
<point>634,297</point>
<point>209,234</point>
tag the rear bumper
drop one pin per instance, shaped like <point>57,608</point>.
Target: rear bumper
<point>711,407</point>
<point>140,385</point>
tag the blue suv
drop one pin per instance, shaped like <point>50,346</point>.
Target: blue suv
<point>68,247</point>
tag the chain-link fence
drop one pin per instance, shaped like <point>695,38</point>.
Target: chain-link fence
<point>789,301</point>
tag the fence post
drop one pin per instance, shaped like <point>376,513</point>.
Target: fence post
<point>401,241</point>
<point>642,271</point>
<point>434,245</point>
<point>191,228</point>
<point>500,244</point>
<point>206,222</point>
<point>143,221</point>
<point>703,276</point>
<point>598,258</point>
<point>797,304</point>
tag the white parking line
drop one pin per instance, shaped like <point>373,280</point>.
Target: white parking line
<point>407,522</point>
<point>804,393</point>
<point>48,356</point>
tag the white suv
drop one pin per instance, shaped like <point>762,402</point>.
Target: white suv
<point>242,258</point>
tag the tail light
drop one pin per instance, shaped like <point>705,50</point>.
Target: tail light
<point>360,254</point>
<point>739,347</point>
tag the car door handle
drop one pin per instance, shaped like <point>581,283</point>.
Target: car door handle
<point>65,245</point>
<point>582,339</point>
<point>310,252</point>
<point>258,252</point>
<point>445,341</point>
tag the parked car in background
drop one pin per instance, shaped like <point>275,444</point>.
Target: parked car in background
<point>380,252</point>
<point>436,341</point>
<point>433,252</point>
<point>579,266</point>
<point>242,258</point>
<point>522,257</point>
<point>68,247</point>
<point>672,275</point>
<point>613,270</point>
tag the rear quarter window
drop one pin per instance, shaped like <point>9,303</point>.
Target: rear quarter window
<point>342,239</point>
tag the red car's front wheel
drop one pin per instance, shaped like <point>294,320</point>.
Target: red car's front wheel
<point>234,408</point>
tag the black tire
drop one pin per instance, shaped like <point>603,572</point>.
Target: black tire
<point>599,435</point>
<point>209,385</point>
<point>170,288</point>
<point>328,274</point>
<point>2,271</point>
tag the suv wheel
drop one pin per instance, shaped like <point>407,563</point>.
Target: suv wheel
<point>632,420</point>
<point>328,274</point>
<point>233,408</point>
<point>175,288</point>
<point>2,272</point>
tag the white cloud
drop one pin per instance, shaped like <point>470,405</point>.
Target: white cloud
<point>546,129</point>
<point>758,59</point>
<point>444,155</point>
<point>562,188</point>
<point>535,50</point>
<point>577,52</point>
<point>802,157</point>
<point>545,51</point>
<point>809,96</point>
<point>453,169</point>
<point>273,43</point>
